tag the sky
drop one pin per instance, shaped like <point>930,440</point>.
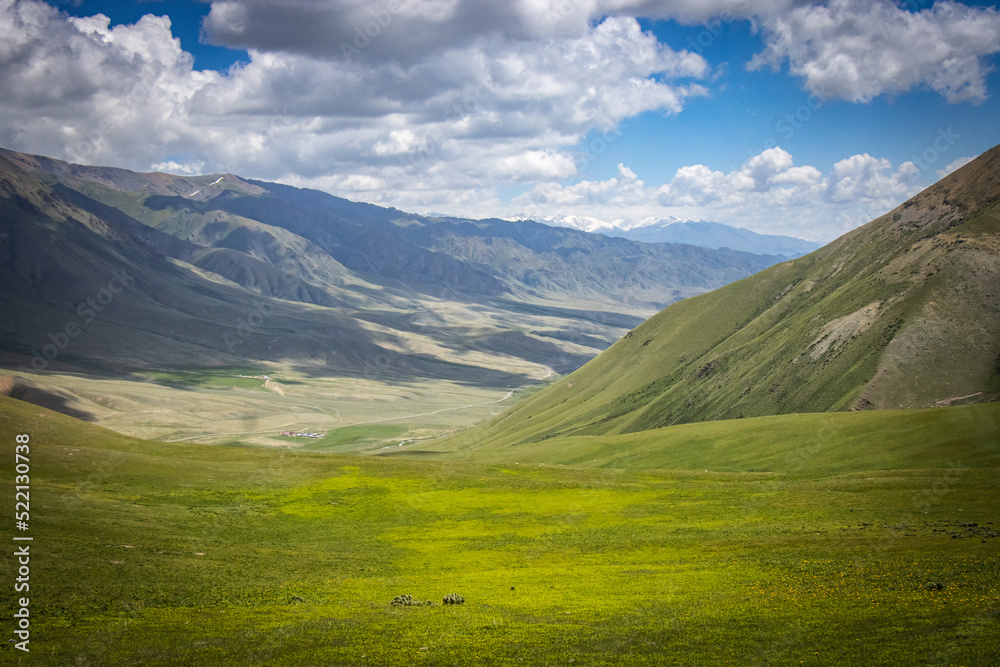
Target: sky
<point>799,117</point>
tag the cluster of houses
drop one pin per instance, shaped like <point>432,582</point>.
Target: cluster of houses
<point>302,434</point>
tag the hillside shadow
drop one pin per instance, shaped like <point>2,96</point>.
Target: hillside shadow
<point>413,370</point>
<point>19,389</point>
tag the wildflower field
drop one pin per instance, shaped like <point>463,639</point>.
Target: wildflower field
<point>149,553</point>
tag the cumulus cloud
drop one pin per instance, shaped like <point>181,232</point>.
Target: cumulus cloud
<point>625,190</point>
<point>440,104</point>
<point>771,171</point>
<point>405,31</point>
<point>400,142</point>
<point>954,165</point>
<point>488,111</point>
<point>182,168</point>
<point>859,49</point>
<point>865,178</point>
<point>77,88</point>
<point>847,49</point>
<point>768,193</point>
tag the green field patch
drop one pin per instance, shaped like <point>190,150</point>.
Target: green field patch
<point>346,438</point>
<point>220,377</point>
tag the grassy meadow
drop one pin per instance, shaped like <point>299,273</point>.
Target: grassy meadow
<point>149,553</point>
<point>806,444</point>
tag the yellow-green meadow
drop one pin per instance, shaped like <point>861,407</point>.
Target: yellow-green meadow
<point>150,553</point>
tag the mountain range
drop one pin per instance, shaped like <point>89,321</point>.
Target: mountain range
<point>104,268</point>
<point>903,312</point>
<point>693,232</point>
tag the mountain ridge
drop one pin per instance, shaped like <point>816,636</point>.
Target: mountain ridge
<point>346,281</point>
<point>903,312</point>
<point>700,233</point>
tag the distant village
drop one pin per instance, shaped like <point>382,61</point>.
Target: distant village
<point>301,434</point>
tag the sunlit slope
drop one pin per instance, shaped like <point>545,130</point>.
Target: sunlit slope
<point>809,444</point>
<point>903,312</point>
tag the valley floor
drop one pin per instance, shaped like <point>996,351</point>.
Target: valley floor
<point>254,406</point>
<point>148,553</point>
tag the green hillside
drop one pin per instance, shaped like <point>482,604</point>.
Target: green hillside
<point>808,444</point>
<point>903,312</point>
<point>148,553</point>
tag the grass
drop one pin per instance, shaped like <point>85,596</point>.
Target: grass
<point>220,377</point>
<point>149,553</point>
<point>810,444</point>
<point>348,438</point>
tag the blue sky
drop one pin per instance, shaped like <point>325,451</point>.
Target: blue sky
<point>802,117</point>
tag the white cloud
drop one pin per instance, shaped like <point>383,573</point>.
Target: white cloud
<point>767,193</point>
<point>859,49</point>
<point>535,165</point>
<point>848,49</point>
<point>768,172</point>
<point>806,175</point>
<point>79,89</point>
<point>400,142</point>
<point>439,104</point>
<point>865,178</point>
<point>625,190</point>
<point>954,165</point>
<point>489,111</point>
<point>697,185</point>
<point>181,168</point>
<point>358,183</point>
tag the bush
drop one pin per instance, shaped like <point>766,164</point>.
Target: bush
<point>408,601</point>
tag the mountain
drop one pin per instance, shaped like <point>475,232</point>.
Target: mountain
<point>716,235</point>
<point>82,288</point>
<point>903,312</point>
<point>149,270</point>
<point>693,232</point>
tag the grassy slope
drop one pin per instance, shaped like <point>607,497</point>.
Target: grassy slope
<point>793,338</point>
<point>154,554</point>
<point>808,444</point>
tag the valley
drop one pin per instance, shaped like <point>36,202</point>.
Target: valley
<point>217,406</point>
<point>256,416</point>
<point>459,333</point>
<point>900,313</point>
<point>112,279</point>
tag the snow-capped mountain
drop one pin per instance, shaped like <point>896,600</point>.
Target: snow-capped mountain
<point>694,232</point>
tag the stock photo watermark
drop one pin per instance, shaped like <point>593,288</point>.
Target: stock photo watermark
<point>714,28</point>
<point>942,143</point>
<point>22,553</point>
<point>60,340</point>
<point>369,30</point>
<point>247,325</point>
